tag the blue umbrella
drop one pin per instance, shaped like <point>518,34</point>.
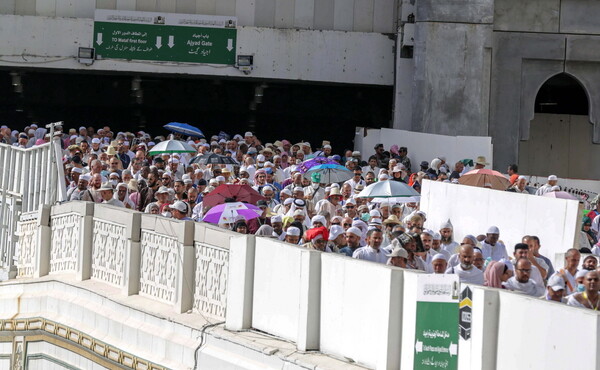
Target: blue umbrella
<point>184,129</point>
<point>328,173</point>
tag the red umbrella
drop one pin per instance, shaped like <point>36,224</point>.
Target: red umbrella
<point>239,193</point>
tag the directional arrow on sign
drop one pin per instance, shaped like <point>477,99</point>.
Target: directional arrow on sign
<point>453,349</point>
<point>171,41</point>
<point>229,44</point>
<point>99,39</point>
<point>158,42</point>
<point>419,346</point>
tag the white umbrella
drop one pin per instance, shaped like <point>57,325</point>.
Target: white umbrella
<point>172,146</point>
<point>388,189</point>
<point>414,199</point>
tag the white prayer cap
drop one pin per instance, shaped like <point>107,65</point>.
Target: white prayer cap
<point>122,185</point>
<point>298,188</point>
<point>439,256</point>
<point>447,225</point>
<point>277,218</point>
<point>522,177</point>
<point>335,231</point>
<point>288,201</point>
<point>173,160</point>
<point>298,212</point>
<point>260,158</point>
<point>319,218</point>
<point>249,134</point>
<point>95,141</point>
<point>85,177</point>
<point>552,178</point>
<point>286,191</point>
<point>375,213</point>
<point>398,252</point>
<point>220,178</point>
<point>266,188</point>
<point>354,230</point>
<point>437,236</point>
<point>493,230</point>
<point>197,171</point>
<point>77,170</point>
<point>82,128</point>
<point>375,221</point>
<point>351,201</point>
<point>581,273</point>
<point>293,231</point>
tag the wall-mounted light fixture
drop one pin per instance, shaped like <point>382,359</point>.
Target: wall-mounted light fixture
<point>245,63</point>
<point>86,56</point>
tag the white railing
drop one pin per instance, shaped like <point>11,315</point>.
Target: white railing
<point>27,181</point>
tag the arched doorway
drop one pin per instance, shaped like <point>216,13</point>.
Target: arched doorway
<point>560,140</point>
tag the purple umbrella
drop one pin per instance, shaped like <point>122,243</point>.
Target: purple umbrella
<point>227,212</point>
<point>306,165</point>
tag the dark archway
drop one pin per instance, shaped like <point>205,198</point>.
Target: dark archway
<point>562,94</point>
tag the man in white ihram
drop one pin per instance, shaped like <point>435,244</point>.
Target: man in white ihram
<point>521,281</point>
<point>492,247</point>
<point>466,271</point>
<point>547,187</point>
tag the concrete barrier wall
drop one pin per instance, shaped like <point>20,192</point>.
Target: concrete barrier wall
<point>473,210</point>
<point>421,145</point>
<point>286,292</point>
<point>534,334</point>
<point>361,311</point>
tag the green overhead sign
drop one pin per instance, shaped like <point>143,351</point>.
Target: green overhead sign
<point>165,37</point>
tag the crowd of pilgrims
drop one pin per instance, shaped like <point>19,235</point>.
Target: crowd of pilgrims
<point>117,169</point>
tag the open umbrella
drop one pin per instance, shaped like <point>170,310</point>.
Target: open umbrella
<point>329,173</point>
<point>308,164</point>
<point>184,129</point>
<point>388,189</point>
<point>485,178</point>
<point>239,193</point>
<point>227,212</point>
<point>414,199</point>
<point>213,158</point>
<point>172,146</point>
<point>559,195</point>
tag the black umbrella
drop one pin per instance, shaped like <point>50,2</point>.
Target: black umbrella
<point>212,158</point>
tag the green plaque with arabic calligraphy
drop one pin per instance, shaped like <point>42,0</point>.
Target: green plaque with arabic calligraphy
<point>437,329</point>
<point>165,37</point>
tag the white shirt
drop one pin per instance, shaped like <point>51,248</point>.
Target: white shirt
<point>535,275</point>
<point>472,276</point>
<point>370,254</point>
<point>353,183</point>
<point>543,189</point>
<point>451,248</point>
<point>496,252</point>
<point>530,287</point>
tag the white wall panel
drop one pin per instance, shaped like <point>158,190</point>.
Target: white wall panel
<point>85,8</point>
<point>146,5</point>
<point>264,14</point>
<point>186,6</point>
<point>106,4</point>
<point>363,15</point>
<point>66,8</point>
<point>212,7</point>
<point>343,15</point>
<point>304,14</point>
<point>168,6</point>
<point>8,7</point>
<point>384,12</point>
<point>45,8</point>
<point>324,12</point>
<point>284,13</point>
<point>126,4</point>
<point>244,11</point>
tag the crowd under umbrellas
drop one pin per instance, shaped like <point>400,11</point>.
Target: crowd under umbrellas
<point>360,206</point>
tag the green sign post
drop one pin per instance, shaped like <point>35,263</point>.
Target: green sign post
<point>164,37</point>
<point>436,331</point>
